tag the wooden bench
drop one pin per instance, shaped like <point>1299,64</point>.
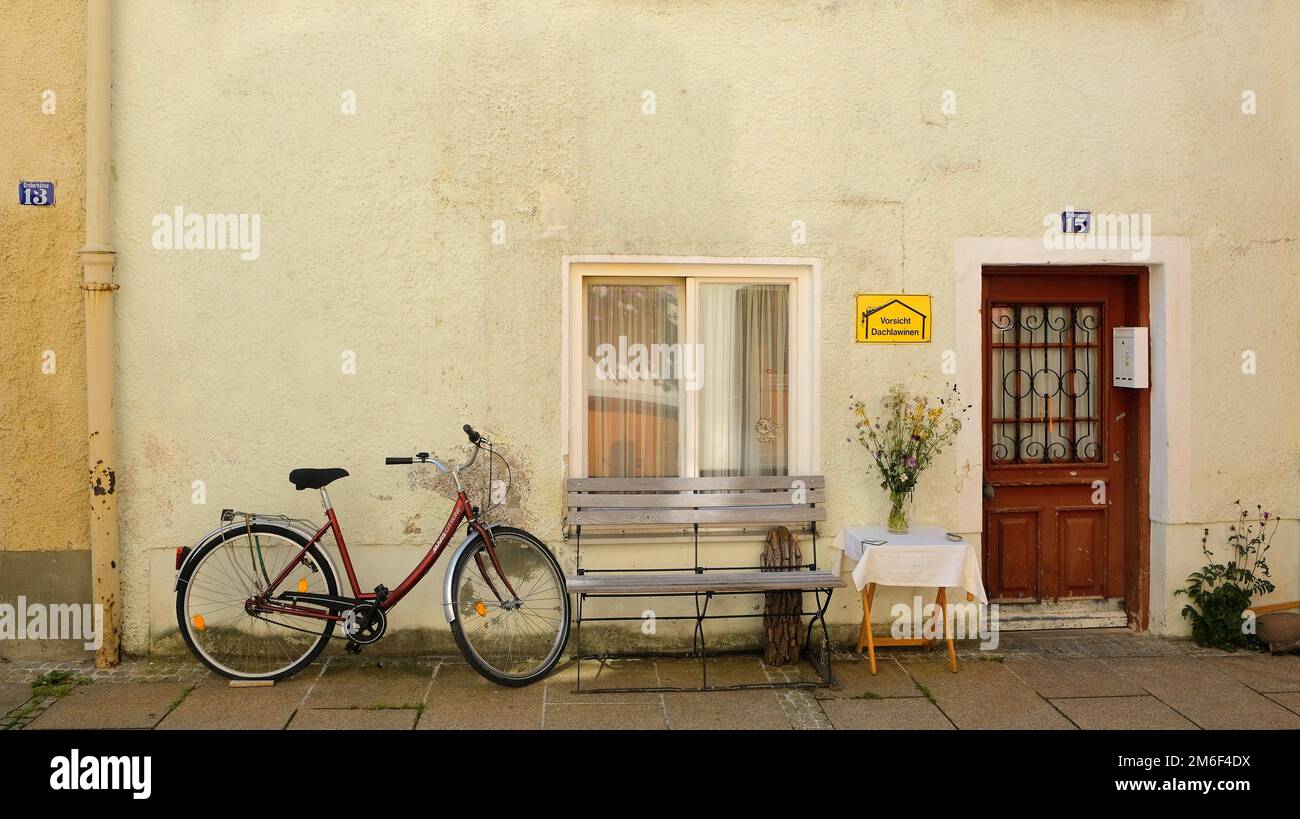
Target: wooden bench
<point>641,509</point>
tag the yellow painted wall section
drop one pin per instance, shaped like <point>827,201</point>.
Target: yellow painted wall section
<point>43,488</point>
<point>376,227</point>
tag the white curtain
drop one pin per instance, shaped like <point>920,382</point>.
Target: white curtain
<point>633,414</point>
<point>744,400</point>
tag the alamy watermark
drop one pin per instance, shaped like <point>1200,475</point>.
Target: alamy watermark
<point>76,772</point>
<point>1109,231</point>
<point>919,620</point>
<point>179,230</point>
<point>651,362</point>
<point>53,621</point>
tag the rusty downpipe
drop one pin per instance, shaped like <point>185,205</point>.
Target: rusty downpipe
<point>97,257</point>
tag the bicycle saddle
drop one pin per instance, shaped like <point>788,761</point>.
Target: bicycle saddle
<point>315,478</point>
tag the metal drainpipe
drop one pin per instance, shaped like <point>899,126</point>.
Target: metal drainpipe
<point>97,257</point>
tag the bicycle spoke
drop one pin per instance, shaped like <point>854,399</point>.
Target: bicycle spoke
<point>511,636</point>
<point>226,634</point>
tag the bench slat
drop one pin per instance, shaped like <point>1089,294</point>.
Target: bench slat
<point>698,484</point>
<point>689,582</point>
<point>756,514</point>
<point>682,500</point>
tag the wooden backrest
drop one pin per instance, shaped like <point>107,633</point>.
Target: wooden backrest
<point>623,502</point>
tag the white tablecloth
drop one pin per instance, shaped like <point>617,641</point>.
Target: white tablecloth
<point>923,557</point>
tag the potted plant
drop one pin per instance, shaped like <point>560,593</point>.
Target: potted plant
<point>905,439</point>
<point>1220,593</point>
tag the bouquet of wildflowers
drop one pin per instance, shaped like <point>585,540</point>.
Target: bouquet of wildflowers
<point>905,439</point>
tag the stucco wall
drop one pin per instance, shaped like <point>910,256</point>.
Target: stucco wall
<point>43,490</point>
<point>376,227</point>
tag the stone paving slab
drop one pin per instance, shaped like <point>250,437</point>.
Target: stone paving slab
<point>346,719</point>
<point>1101,679</point>
<point>111,705</point>
<point>1070,677</point>
<point>1096,643</point>
<point>1105,713</point>
<point>722,671</point>
<point>856,679</point>
<point>13,695</point>
<point>561,685</point>
<point>369,685</point>
<point>985,695</point>
<point>461,698</point>
<point>616,716</point>
<point>911,713</point>
<point>1261,672</point>
<point>1208,698</point>
<point>214,704</point>
<point>1290,701</point>
<point>747,710</point>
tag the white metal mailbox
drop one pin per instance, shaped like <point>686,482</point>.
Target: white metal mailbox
<point>1129,367</point>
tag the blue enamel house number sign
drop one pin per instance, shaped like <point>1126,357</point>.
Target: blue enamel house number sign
<point>36,193</point>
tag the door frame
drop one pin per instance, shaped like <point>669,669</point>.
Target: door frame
<point>1168,429</point>
<point>1136,444</point>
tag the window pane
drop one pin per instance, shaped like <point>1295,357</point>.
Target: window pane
<point>744,397</point>
<point>1043,374</point>
<point>633,397</point>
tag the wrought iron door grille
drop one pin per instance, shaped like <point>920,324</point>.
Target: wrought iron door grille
<point>1044,367</point>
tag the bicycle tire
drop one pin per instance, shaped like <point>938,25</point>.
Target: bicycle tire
<point>466,649</point>
<point>196,560</point>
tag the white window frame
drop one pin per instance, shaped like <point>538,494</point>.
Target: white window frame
<point>804,277</point>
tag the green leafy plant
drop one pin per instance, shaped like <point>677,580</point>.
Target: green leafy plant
<point>1219,593</point>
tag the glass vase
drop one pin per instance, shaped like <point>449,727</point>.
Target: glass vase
<point>898,512</point>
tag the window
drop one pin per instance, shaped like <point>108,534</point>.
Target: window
<point>689,370</point>
<point>1043,372</point>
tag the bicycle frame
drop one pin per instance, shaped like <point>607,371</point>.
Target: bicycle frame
<point>462,512</point>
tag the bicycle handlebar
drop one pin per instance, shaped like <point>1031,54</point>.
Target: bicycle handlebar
<point>423,457</point>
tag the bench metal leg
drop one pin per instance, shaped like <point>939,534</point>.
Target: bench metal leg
<point>698,639</point>
<point>578,637</point>
<point>820,617</point>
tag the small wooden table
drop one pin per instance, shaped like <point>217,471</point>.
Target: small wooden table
<point>924,557</point>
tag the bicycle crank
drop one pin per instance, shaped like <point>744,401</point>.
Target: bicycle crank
<point>365,624</point>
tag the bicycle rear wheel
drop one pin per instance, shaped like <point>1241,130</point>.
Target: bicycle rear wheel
<point>223,575</point>
<point>510,642</point>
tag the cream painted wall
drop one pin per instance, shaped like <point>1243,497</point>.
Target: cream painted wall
<point>376,227</point>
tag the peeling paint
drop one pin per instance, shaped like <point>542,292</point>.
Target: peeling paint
<point>103,480</point>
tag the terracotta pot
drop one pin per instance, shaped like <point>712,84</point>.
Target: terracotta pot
<point>1280,629</point>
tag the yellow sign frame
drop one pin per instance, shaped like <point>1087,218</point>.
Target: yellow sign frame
<point>894,317</point>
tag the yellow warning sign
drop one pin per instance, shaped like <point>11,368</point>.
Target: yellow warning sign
<point>893,318</point>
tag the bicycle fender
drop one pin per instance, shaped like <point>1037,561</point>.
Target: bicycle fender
<point>448,608</point>
<point>240,525</point>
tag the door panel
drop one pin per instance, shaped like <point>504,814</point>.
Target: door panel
<point>1081,538</point>
<point>1014,552</point>
<point>1056,434</point>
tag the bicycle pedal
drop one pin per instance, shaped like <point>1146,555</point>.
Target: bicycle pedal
<point>352,647</point>
<point>381,592</point>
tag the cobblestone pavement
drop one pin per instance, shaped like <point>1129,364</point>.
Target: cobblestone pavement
<point>1095,679</point>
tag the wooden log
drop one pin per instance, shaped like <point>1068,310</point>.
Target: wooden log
<point>781,610</point>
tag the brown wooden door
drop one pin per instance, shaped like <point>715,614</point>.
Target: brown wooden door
<point>1057,444</point>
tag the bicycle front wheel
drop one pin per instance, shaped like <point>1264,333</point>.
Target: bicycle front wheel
<point>510,641</point>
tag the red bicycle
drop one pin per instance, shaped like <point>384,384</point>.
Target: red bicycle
<point>258,598</point>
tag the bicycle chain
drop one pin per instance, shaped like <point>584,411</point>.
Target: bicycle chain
<point>295,628</point>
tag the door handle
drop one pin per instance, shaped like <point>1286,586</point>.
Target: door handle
<point>989,491</point>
